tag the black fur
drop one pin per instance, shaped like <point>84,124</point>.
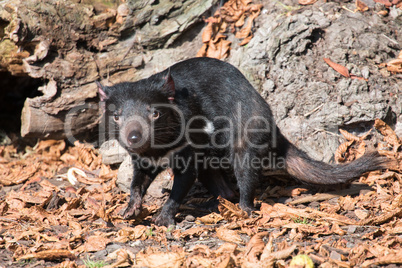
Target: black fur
<point>205,91</point>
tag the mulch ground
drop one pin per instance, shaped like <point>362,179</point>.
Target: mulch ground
<point>60,207</point>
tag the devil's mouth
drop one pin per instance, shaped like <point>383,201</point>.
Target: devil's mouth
<point>138,151</point>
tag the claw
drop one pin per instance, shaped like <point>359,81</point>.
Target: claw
<point>164,221</point>
<point>132,211</point>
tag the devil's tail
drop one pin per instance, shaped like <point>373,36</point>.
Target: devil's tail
<point>302,167</point>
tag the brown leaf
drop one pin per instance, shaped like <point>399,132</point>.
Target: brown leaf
<point>352,76</point>
<point>349,136</point>
<point>96,243</point>
<point>212,218</point>
<point>19,172</point>
<point>361,214</point>
<point>207,33</point>
<point>384,2</point>
<point>280,254</point>
<point>203,51</point>
<point>131,234</point>
<point>246,40</point>
<point>160,259</point>
<point>240,22</point>
<point>228,235</point>
<point>389,135</point>
<point>395,65</point>
<point>337,67</point>
<point>51,254</point>
<point>361,150</point>
<point>193,232</point>
<point>337,230</point>
<point>394,210</point>
<point>3,207</point>
<point>123,257</point>
<point>292,192</point>
<point>340,153</point>
<point>219,50</point>
<point>393,258</point>
<point>361,6</point>
<point>227,248</point>
<point>230,211</point>
<point>255,246</point>
<point>51,148</point>
<point>246,30</point>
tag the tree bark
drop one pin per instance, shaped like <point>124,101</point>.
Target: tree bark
<point>70,45</point>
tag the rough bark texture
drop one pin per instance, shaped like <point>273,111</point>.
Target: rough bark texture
<point>70,45</point>
<point>310,100</point>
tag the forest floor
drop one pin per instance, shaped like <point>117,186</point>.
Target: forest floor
<point>60,207</point>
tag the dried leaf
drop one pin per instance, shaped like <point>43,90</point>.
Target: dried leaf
<point>228,235</point>
<point>393,258</point>
<point>232,14</point>
<point>96,243</point>
<point>240,22</point>
<point>160,259</point>
<point>361,214</point>
<point>292,192</point>
<point>278,255</point>
<point>219,50</point>
<point>395,210</point>
<point>50,148</point>
<point>388,133</point>
<point>246,40</point>
<point>337,67</point>
<point>386,3</point>
<point>255,246</point>
<point>395,66</point>
<point>207,33</point>
<point>246,30</point>
<point>124,258</point>
<point>341,151</point>
<point>230,211</point>
<point>131,234</point>
<point>203,51</point>
<point>352,76</point>
<point>52,254</point>
<point>349,136</point>
<point>193,232</point>
<point>361,6</point>
<point>212,218</point>
<point>361,150</point>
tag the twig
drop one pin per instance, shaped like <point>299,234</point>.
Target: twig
<point>314,110</point>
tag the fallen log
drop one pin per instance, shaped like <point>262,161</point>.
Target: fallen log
<point>68,45</point>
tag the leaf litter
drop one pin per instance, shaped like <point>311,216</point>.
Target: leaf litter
<point>234,17</point>
<point>60,205</point>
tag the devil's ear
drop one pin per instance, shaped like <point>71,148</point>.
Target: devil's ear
<point>103,94</point>
<point>169,86</point>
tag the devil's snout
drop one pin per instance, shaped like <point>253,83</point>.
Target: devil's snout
<point>134,137</point>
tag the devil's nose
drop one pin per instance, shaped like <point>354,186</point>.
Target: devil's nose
<point>134,137</point>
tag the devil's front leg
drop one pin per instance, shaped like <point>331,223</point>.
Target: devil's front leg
<point>142,178</point>
<point>184,177</point>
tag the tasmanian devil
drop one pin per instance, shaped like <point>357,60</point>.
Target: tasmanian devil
<point>202,118</point>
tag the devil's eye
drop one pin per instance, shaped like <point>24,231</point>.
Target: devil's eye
<point>116,117</point>
<point>155,114</point>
